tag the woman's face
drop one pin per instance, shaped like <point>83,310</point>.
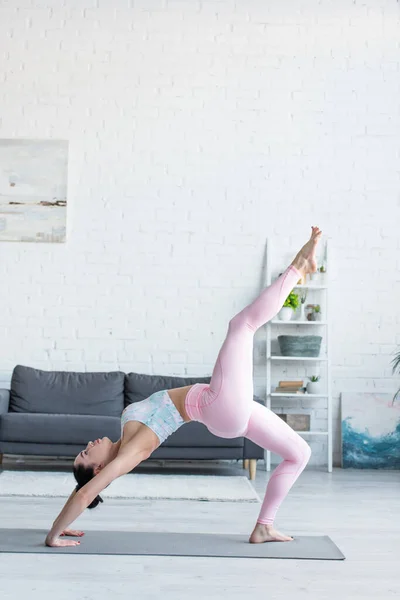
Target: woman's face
<point>96,453</point>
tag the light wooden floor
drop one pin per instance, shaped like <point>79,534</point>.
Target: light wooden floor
<point>360,510</point>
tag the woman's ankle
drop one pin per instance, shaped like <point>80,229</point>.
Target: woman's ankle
<point>265,526</point>
<point>300,265</point>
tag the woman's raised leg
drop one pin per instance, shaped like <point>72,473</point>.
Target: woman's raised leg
<point>234,366</point>
<point>269,431</point>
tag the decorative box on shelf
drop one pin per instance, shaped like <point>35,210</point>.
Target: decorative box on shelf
<point>300,345</point>
<point>296,422</point>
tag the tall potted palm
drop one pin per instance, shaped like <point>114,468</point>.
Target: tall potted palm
<point>396,367</point>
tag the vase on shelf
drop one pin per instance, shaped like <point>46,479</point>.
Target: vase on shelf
<point>285,314</point>
<point>302,314</point>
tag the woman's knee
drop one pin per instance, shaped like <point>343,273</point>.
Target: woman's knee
<point>305,452</point>
<point>236,321</point>
<point>240,322</point>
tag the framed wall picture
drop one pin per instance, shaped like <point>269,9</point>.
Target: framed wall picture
<point>370,431</point>
<point>33,190</point>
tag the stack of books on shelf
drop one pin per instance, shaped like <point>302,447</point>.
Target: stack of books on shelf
<point>290,387</point>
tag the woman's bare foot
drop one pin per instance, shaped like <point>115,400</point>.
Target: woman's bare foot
<point>305,261</point>
<point>266,533</point>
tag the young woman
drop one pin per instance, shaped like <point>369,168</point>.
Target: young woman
<point>225,407</point>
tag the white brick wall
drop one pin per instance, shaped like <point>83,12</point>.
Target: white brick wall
<point>197,129</point>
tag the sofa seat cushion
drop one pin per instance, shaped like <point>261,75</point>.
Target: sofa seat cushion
<point>63,392</point>
<point>57,429</point>
<point>196,435</point>
<point>139,386</point>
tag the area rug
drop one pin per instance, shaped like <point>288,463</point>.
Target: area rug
<point>211,488</point>
<point>172,544</point>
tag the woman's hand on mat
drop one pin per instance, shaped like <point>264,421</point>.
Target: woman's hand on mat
<point>57,543</point>
<point>72,532</point>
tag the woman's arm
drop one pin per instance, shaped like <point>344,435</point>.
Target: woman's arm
<point>80,500</point>
<point>71,532</point>
<point>72,509</point>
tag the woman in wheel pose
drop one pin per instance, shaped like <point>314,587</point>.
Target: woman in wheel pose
<point>225,406</point>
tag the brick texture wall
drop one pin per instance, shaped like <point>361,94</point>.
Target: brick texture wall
<point>197,130</point>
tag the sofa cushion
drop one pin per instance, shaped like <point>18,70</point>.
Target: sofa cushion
<point>139,386</point>
<point>196,435</point>
<point>80,429</point>
<point>63,392</point>
<point>190,453</point>
<point>4,401</point>
<point>57,429</point>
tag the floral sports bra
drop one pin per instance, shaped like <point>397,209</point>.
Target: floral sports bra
<point>157,411</point>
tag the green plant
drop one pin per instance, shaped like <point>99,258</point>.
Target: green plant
<point>322,269</point>
<point>292,301</point>
<point>314,307</point>
<point>314,378</point>
<point>396,367</point>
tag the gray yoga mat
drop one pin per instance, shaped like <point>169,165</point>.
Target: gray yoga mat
<point>172,544</point>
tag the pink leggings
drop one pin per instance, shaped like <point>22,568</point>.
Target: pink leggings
<point>226,406</point>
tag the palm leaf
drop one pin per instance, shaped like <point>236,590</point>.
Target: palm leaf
<point>396,362</point>
<point>396,367</point>
<point>395,396</point>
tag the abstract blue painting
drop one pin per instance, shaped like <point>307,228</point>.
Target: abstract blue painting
<point>370,431</point>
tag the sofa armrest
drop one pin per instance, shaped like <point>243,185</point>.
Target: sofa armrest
<point>4,401</point>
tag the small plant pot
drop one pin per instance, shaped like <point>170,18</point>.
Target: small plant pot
<point>314,387</point>
<point>285,314</point>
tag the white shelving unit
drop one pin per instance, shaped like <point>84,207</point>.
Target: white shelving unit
<point>324,361</point>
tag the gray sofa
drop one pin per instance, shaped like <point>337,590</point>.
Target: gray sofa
<point>55,413</point>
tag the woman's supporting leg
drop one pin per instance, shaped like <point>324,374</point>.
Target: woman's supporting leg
<point>269,431</point>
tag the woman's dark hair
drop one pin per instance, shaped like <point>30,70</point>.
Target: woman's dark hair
<point>83,475</point>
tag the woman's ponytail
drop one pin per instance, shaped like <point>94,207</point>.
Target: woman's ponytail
<point>83,475</point>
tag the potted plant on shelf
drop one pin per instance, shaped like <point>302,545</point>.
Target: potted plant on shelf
<point>315,314</point>
<point>290,305</point>
<point>313,386</point>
